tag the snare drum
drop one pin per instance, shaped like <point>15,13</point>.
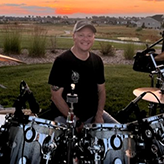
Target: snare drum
<point>36,141</point>
<point>110,143</point>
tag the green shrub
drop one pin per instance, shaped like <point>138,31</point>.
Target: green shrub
<point>37,46</point>
<point>139,29</point>
<point>53,42</point>
<point>129,51</point>
<point>106,49</point>
<point>12,39</point>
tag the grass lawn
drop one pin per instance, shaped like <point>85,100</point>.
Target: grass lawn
<point>121,80</point>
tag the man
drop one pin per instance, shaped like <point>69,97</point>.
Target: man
<point>85,70</point>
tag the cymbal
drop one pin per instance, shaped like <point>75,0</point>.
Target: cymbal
<point>7,59</point>
<point>149,96</point>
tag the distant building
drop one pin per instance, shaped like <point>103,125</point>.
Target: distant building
<point>149,22</point>
<point>159,17</point>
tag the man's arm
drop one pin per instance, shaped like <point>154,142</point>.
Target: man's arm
<point>160,57</point>
<point>101,103</point>
<point>56,97</point>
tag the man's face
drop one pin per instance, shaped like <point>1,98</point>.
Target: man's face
<point>83,39</point>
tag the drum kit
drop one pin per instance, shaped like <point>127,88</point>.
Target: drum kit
<point>27,139</point>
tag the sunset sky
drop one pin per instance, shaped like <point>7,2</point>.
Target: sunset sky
<point>81,8</point>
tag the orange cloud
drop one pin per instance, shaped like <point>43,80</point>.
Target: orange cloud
<point>114,8</point>
<point>67,7</point>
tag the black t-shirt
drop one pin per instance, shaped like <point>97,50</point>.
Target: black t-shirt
<point>68,69</point>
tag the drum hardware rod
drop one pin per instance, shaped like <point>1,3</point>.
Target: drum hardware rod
<point>162,126</point>
<point>160,71</point>
<point>158,41</point>
<point>71,98</point>
<point>151,46</point>
<point>71,123</point>
<point>115,130</point>
<point>152,108</point>
<point>161,105</point>
<point>106,144</point>
<point>151,75</point>
<point>123,115</point>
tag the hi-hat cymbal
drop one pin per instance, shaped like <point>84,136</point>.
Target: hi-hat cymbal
<point>7,59</point>
<point>149,96</point>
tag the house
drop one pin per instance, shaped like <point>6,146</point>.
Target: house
<point>149,22</point>
<point>159,18</point>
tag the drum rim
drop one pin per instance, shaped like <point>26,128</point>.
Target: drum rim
<point>105,126</point>
<point>154,118</point>
<point>47,122</point>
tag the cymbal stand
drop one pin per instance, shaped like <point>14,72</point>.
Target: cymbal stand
<point>71,122</point>
<point>159,70</point>
<point>158,41</point>
<point>152,106</point>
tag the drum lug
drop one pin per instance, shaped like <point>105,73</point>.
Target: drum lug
<point>96,149</point>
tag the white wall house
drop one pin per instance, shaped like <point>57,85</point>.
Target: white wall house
<point>149,23</point>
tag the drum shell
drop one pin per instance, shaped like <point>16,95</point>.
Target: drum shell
<point>106,132</point>
<point>32,150</point>
<point>150,138</point>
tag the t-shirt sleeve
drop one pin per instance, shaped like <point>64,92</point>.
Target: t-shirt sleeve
<point>56,76</point>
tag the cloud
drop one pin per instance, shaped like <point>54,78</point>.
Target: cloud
<point>23,9</point>
<point>12,4</point>
<point>154,0</point>
<point>39,10</point>
<point>52,1</point>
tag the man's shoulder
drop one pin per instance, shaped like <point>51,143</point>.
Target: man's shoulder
<point>95,56</point>
<point>65,54</point>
